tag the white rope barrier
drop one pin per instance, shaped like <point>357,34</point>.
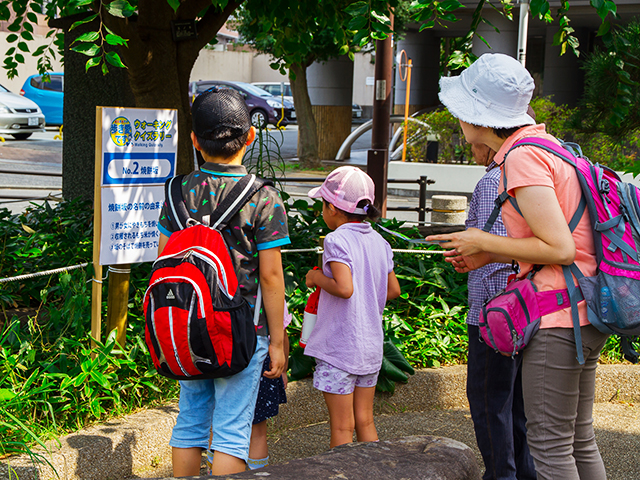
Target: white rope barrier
<point>318,250</point>
<point>42,274</point>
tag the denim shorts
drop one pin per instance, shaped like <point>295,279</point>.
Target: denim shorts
<point>330,379</point>
<point>222,405</point>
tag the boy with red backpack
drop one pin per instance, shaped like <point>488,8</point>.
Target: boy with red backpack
<point>224,406</point>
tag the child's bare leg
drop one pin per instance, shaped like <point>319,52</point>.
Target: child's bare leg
<point>224,464</point>
<point>258,448</point>
<point>186,461</point>
<point>363,408</point>
<point>341,418</point>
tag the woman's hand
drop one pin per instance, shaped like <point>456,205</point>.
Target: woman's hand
<point>467,242</point>
<point>464,264</point>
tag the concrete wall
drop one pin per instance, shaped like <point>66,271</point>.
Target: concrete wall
<point>216,65</point>
<point>30,66</point>
<point>362,93</point>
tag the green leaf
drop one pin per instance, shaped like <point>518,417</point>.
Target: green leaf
<point>120,8</point>
<point>605,27</point>
<point>357,23</point>
<point>92,62</point>
<point>19,58</point>
<point>395,356</point>
<point>32,17</point>
<point>23,47</point>
<point>88,37</point>
<point>104,68</point>
<point>81,22</point>
<point>26,35</point>
<point>115,40</point>
<point>385,384</point>
<point>449,5</point>
<point>114,59</point>
<point>174,4</point>
<point>357,8</point>
<point>12,38</point>
<point>6,394</point>
<point>392,372</point>
<point>15,26</point>
<point>88,49</point>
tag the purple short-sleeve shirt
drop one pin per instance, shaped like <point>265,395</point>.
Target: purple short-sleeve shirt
<point>348,333</point>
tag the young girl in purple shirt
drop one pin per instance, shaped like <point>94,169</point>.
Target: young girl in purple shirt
<point>356,279</point>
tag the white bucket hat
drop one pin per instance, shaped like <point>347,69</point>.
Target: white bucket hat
<point>494,91</point>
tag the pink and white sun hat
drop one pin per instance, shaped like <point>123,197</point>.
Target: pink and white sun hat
<point>494,91</point>
<point>344,188</point>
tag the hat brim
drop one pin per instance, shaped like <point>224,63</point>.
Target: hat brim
<point>464,107</point>
<point>315,192</point>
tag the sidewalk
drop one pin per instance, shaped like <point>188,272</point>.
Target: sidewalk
<point>432,403</point>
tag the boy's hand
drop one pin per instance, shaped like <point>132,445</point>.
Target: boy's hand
<point>276,367</point>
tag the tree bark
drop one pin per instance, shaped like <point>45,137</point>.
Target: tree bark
<point>159,67</point>
<point>307,129</point>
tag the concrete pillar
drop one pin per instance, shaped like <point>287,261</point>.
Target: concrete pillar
<point>449,209</point>
<point>424,51</point>
<point>504,42</point>
<point>331,90</point>
<point>563,77</point>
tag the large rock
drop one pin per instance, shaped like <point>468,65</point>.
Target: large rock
<point>408,458</point>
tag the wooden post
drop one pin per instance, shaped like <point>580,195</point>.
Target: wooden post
<point>96,288</point>
<point>118,302</point>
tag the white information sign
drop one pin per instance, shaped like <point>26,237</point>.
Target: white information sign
<point>139,148</point>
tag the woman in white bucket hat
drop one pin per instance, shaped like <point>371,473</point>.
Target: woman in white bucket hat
<point>490,99</point>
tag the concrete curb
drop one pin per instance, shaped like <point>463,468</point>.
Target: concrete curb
<point>137,445</point>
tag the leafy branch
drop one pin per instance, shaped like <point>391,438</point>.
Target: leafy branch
<point>92,44</point>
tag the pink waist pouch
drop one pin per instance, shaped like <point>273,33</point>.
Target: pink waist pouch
<point>511,318</point>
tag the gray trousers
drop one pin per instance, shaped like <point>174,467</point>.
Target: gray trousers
<point>558,402</point>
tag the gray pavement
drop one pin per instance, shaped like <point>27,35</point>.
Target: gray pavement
<point>433,402</point>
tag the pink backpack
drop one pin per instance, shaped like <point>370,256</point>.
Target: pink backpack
<point>613,294</point>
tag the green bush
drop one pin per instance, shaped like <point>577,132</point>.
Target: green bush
<point>452,147</point>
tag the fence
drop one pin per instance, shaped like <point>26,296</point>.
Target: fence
<point>421,209</point>
<point>422,182</point>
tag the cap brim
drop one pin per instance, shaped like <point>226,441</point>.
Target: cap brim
<point>315,192</point>
<point>464,107</point>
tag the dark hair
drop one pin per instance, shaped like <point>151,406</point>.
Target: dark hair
<point>506,132</point>
<point>373,212</point>
<point>221,147</point>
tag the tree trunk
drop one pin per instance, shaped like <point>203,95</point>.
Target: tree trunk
<point>307,130</point>
<point>159,67</point>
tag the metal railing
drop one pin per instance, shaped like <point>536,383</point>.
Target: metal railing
<point>421,209</point>
<point>422,182</point>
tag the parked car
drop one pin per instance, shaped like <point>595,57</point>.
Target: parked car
<point>263,107</point>
<point>356,111</point>
<point>19,116</point>
<point>49,95</point>
<point>277,89</point>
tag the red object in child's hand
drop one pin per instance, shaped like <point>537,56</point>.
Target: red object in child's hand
<point>312,302</point>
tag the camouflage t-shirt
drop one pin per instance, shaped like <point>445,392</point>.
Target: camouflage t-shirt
<point>260,225</point>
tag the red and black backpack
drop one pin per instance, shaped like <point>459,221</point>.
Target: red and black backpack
<point>198,325</point>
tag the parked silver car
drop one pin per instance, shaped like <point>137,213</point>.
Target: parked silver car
<point>19,116</point>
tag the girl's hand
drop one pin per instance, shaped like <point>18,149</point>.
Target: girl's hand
<point>309,281</point>
<point>467,242</point>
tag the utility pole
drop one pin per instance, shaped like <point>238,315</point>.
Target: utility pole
<point>378,156</point>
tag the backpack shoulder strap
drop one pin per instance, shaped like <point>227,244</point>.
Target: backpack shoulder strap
<point>179,215</point>
<point>237,198</point>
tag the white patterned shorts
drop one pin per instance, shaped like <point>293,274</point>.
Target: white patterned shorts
<point>330,379</point>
